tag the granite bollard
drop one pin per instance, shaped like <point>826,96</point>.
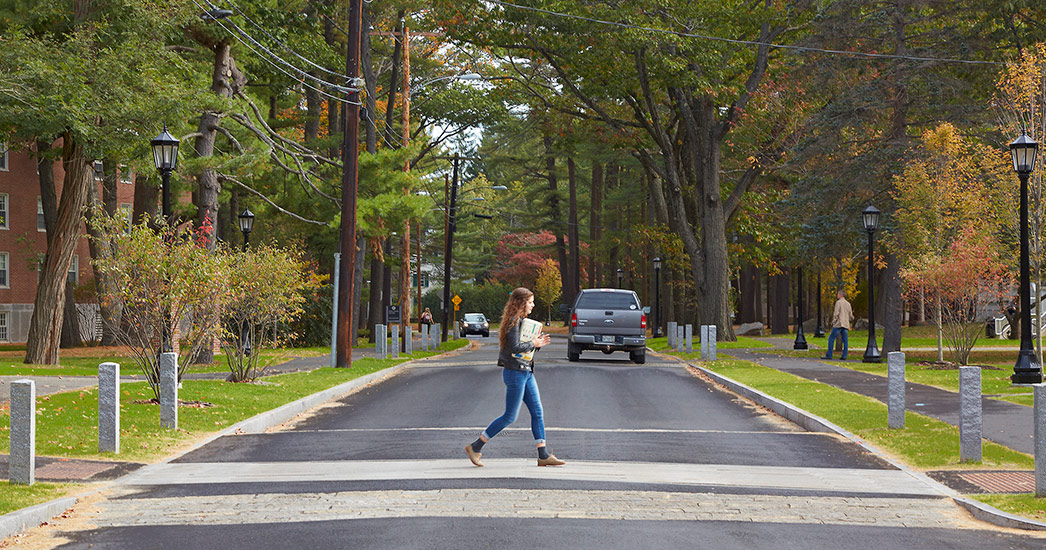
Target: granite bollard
<point>712,339</point>
<point>395,340</point>
<point>21,467</point>
<point>670,334</point>
<point>969,414</point>
<point>109,408</point>
<point>704,341</point>
<point>381,341</point>
<point>895,390</point>
<point>435,329</point>
<point>688,334</point>
<point>408,339</point>
<point>425,338</point>
<point>169,390</point>
<point>1040,439</point>
<point>679,338</point>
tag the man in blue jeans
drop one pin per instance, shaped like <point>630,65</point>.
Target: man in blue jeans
<point>842,316</point>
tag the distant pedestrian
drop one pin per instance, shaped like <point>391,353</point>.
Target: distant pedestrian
<point>426,317</point>
<point>516,358</point>
<point>842,316</point>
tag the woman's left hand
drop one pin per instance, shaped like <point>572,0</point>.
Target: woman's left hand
<point>542,341</point>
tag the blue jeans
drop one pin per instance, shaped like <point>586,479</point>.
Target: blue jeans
<point>520,387</point>
<point>831,342</point>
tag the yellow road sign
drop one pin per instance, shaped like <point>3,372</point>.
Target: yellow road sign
<point>456,300</point>
<point>456,307</point>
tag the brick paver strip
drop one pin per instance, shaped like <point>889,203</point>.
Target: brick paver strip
<point>123,510</point>
<point>72,470</point>
<point>1002,482</point>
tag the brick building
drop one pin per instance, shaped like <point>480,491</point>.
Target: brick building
<point>23,240</point>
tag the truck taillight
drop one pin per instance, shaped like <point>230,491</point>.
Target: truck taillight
<point>573,319</point>
<point>643,322</point>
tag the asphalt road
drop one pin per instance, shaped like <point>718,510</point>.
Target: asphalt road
<point>656,458</point>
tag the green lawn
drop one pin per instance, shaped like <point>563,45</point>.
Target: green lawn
<point>15,497</point>
<point>85,361</point>
<point>925,443</point>
<point>67,423</point>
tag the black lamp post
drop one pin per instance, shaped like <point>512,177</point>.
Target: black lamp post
<point>870,217</point>
<point>620,277</point>
<point>165,156</point>
<point>657,297</point>
<point>819,331</point>
<point>800,338</point>
<point>246,219</point>
<point>1027,370</point>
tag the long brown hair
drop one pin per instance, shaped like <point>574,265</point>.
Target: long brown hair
<point>513,312</point>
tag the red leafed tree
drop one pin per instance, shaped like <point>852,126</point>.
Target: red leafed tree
<point>965,279</point>
<point>521,256</point>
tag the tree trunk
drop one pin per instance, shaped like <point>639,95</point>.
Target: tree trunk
<point>377,275</point>
<point>780,291</point>
<point>110,304</point>
<point>749,286</point>
<point>357,288</point>
<point>553,208</point>
<point>595,227</point>
<point>574,234</point>
<point>893,303</point>
<point>146,195</point>
<point>46,322</point>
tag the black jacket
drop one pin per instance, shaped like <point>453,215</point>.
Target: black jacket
<point>507,359</point>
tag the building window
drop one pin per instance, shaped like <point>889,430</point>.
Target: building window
<point>3,211</point>
<point>126,212</point>
<point>5,280</point>
<point>125,175</point>
<point>424,279</point>
<point>74,270</point>
<point>41,225</point>
<point>3,156</point>
<point>99,173</point>
<point>3,327</point>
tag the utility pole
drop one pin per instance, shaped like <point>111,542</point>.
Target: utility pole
<point>349,183</point>
<point>447,248</point>
<point>405,238</point>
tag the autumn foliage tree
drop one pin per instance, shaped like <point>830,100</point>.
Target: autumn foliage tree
<point>944,210</point>
<point>549,286</point>
<point>960,283</point>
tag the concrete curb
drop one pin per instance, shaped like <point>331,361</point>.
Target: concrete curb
<point>27,518</point>
<point>17,521</point>
<point>815,423</point>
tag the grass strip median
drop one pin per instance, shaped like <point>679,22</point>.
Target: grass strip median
<point>67,423</point>
<point>925,443</point>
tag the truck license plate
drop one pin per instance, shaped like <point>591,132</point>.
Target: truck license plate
<point>606,339</point>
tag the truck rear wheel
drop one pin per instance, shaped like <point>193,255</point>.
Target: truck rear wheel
<point>573,352</point>
<point>638,357</point>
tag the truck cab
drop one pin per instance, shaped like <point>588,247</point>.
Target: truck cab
<point>608,320</point>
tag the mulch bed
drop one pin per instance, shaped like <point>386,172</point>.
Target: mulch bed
<point>948,365</point>
<point>193,404</point>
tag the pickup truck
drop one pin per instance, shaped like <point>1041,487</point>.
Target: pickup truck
<point>608,320</point>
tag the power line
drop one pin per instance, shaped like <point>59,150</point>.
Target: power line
<point>282,70</point>
<point>285,46</point>
<point>801,49</point>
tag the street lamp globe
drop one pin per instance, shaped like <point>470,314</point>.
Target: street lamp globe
<point>246,219</point>
<point>657,263</point>
<point>165,151</point>
<point>1024,150</point>
<point>870,217</point>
